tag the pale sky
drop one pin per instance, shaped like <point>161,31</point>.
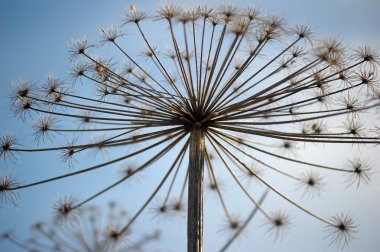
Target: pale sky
<point>33,43</point>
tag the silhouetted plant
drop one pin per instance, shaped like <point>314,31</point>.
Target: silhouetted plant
<point>234,87</point>
<point>92,232</point>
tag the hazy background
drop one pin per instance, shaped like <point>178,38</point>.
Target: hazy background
<point>33,42</point>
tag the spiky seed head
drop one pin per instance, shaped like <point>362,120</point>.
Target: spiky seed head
<point>110,34</point>
<point>114,235</point>
<point>23,108</point>
<point>133,15</point>
<point>7,144</point>
<point>7,195</point>
<point>65,211</point>
<point>368,78</point>
<point>355,128</point>
<point>232,225</point>
<point>116,238</point>
<point>228,13</point>
<point>68,153</point>
<point>251,13</point>
<point>79,69</point>
<point>279,222</point>
<point>366,54</point>
<point>204,11</point>
<point>20,90</point>
<point>303,32</point>
<point>43,127</point>
<point>360,171</point>
<point>78,47</point>
<point>168,11</point>
<point>53,86</point>
<point>341,230</point>
<point>312,183</point>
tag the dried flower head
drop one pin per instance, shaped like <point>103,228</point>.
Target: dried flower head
<point>303,32</point>
<point>7,192</point>
<point>368,78</point>
<point>341,230</point>
<point>70,150</point>
<point>312,182</point>
<point>79,47</point>
<point>79,69</point>
<point>44,126</point>
<point>360,172</point>
<point>162,209</point>
<point>66,211</point>
<point>23,108</point>
<point>231,89</point>
<point>8,143</point>
<point>231,225</point>
<point>92,232</point>
<point>132,15</point>
<point>20,90</point>
<point>110,34</point>
<point>168,11</point>
<point>368,55</point>
<point>279,224</point>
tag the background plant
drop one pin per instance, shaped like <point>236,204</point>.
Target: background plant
<point>89,233</point>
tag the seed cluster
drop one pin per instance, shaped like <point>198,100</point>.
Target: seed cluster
<point>252,85</point>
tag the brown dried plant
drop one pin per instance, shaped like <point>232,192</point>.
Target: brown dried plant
<point>93,232</point>
<point>234,91</point>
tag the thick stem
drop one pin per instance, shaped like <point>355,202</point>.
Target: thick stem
<point>195,191</point>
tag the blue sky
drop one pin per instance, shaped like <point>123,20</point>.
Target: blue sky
<point>33,42</point>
